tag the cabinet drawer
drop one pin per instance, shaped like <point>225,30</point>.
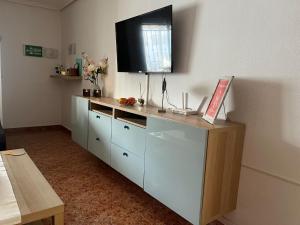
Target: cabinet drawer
<point>100,125</point>
<point>128,164</point>
<point>128,136</point>
<point>99,147</point>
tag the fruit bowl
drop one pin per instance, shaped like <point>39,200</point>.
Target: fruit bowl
<point>127,101</point>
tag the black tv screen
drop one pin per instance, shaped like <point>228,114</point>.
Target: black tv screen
<point>144,43</point>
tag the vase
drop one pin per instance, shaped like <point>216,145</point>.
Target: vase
<point>141,101</point>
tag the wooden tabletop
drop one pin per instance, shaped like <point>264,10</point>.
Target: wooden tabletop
<point>36,198</point>
<point>9,210</point>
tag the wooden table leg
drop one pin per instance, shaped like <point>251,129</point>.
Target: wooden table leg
<point>58,219</point>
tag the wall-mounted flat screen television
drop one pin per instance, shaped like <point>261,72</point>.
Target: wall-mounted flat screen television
<point>144,43</point>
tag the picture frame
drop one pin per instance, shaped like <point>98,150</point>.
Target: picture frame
<point>217,99</point>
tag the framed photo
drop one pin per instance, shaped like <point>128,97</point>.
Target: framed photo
<point>217,99</point>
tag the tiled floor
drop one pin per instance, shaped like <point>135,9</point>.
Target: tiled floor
<point>93,193</point>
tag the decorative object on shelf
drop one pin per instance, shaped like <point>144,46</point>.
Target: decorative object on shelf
<point>60,70</point>
<point>127,101</point>
<point>141,100</point>
<point>94,72</point>
<point>86,92</point>
<point>164,88</point>
<point>57,70</point>
<point>217,99</point>
<point>73,71</point>
<point>79,63</point>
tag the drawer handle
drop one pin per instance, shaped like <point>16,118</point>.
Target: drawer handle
<point>98,139</point>
<point>125,154</point>
<point>126,127</point>
<point>98,117</point>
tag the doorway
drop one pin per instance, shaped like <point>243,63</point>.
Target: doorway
<point>1,111</point>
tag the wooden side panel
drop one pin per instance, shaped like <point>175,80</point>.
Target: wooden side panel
<point>222,172</point>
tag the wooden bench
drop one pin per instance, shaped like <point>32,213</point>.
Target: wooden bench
<point>35,197</point>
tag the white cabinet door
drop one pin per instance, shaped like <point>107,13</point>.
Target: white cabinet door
<point>174,166</point>
<point>128,164</point>
<point>80,120</point>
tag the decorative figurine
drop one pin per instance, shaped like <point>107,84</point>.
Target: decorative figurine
<point>141,101</point>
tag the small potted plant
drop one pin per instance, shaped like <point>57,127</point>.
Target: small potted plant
<point>94,72</point>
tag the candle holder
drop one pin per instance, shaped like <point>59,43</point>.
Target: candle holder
<point>97,93</point>
<point>86,92</point>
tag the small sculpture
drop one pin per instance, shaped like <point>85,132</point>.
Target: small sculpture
<point>141,101</point>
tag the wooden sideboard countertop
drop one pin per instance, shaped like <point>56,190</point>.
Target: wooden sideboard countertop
<point>147,110</point>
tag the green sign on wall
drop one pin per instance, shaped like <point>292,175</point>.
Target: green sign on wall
<point>31,50</point>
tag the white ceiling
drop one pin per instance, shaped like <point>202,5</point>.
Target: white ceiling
<point>48,4</point>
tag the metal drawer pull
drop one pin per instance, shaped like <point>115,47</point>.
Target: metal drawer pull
<point>125,154</point>
<point>126,127</point>
<point>98,117</point>
<point>98,139</point>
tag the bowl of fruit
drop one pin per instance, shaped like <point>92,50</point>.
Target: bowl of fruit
<point>127,101</point>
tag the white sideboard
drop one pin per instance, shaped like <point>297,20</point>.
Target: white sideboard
<point>187,164</point>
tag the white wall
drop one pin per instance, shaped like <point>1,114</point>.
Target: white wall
<point>89,24</point>
<point>257,41</point>
<point>30,96</point>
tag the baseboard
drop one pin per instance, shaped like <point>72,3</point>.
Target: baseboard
<point>66,127</point>
<point>271,174</point>
<point>37,129</point>
<point>226,221</point>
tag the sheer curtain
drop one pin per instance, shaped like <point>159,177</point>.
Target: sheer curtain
<point>157,47</point>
